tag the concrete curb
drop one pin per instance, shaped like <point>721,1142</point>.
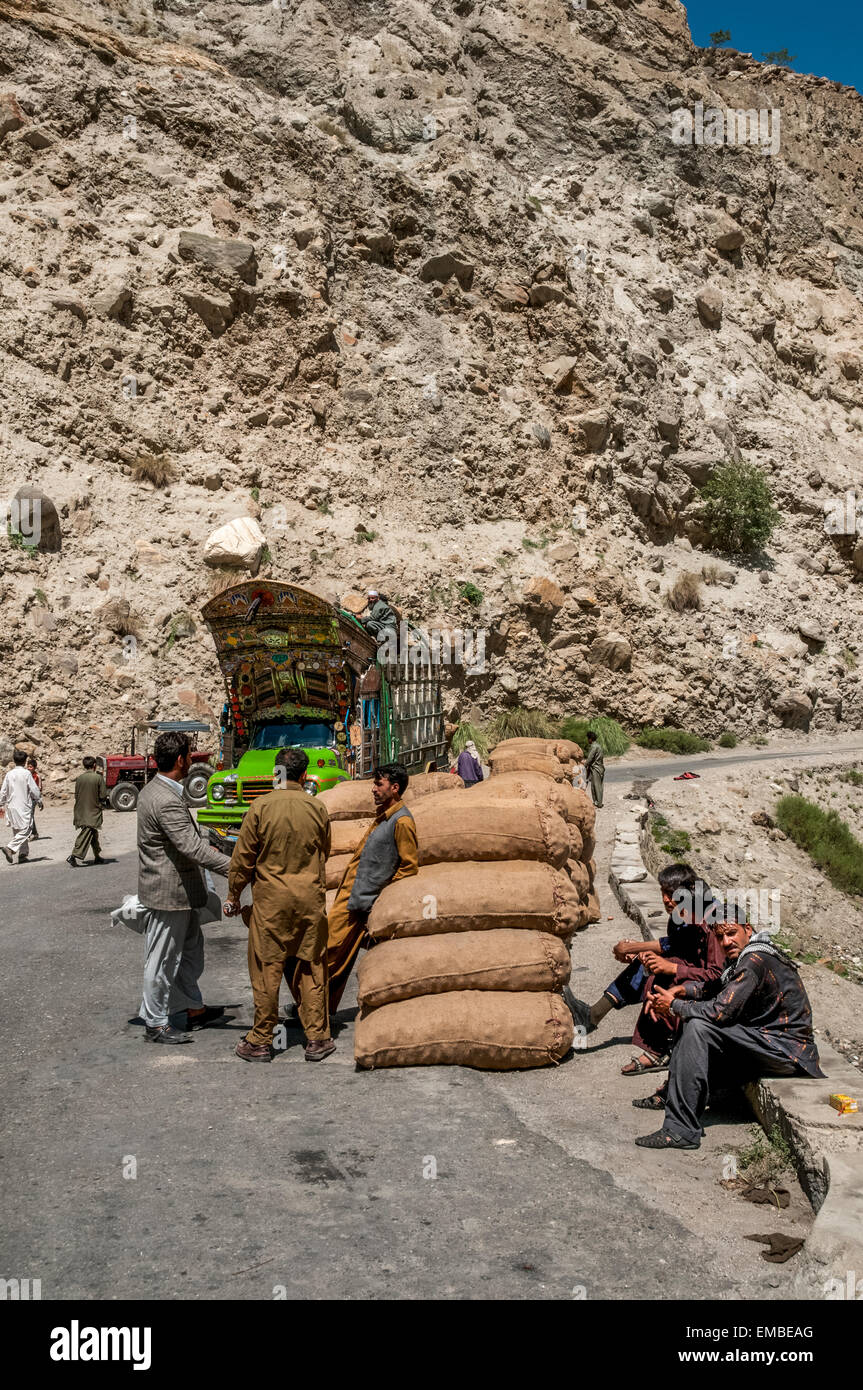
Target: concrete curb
<point>827,1147</point>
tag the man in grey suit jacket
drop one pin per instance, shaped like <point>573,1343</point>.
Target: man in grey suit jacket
<point>171,858</point>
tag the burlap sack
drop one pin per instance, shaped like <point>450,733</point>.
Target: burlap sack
<point>335,867</point>
<point>346,835</point>
<point>576,844</point>
<point>567,751</point>
<point>544,747</point>
<point>454,829</point>
<point>528,762</point>
<point>478,897</point>
<point>588,842</point>
<point>496,1031</point>
<point>505,959</point>
<point>427,783</point>
<point>594,911</point>
<point>531,785</point>
<point>591,870</point>
<point>580,877</point>
<point>350,800</point>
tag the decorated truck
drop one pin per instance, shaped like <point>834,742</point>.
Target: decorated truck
<point>301,673</point>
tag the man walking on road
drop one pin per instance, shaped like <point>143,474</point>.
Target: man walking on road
<point>594,768</point>
<point>171,890</point>
<point>18,796</point>
<point>386,853</point>
<point>281,849</point>
<point>90,790</point>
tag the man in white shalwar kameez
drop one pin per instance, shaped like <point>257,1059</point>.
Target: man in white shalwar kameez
<point>18,795</point>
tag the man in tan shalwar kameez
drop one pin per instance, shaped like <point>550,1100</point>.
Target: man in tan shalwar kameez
<point>281,849</point>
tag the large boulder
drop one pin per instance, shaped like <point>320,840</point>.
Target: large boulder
<point>591,430</point>
<point>35,517</point>
<point>114,301</point>
<point>220,253</point>
<point>543,596</point>
<point>216,310</point>
<point>812,631</point>
<point>450,264</point>
<point>794,708</point>
<point>558,373</point>
<point>239,543</point>
<point>709,303</point>
<point>612,650</point>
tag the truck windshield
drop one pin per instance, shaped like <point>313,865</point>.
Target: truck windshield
<point>305,734</point>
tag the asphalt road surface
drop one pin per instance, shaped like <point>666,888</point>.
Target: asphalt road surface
<point>628,771</point>
<point>140,1171</point>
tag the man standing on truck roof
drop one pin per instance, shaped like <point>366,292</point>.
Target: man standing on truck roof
<point>282,847</point>
<point>386,853</point>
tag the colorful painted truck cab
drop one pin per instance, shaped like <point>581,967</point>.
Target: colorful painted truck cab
<point>302,673</point>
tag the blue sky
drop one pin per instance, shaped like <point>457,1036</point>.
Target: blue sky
<point>827,38</point>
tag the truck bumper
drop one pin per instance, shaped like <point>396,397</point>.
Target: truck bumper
<point>221,827</point>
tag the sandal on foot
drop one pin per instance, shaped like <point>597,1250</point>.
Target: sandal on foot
<point>637,1068</point>
<point>661,1139</point>
<point>654,1102</point>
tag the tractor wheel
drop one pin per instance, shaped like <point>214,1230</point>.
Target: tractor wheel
<point>195,785</point>
<point>123,796</point>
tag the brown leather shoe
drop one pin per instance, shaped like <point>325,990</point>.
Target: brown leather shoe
<point>319,1048</point>
<point>252,1052</point>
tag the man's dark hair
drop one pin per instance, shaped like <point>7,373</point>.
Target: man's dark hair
<point>31,758</point>
<point>168,748</point>
<point>675,876</point>
<point>591,736</point>
<point>396,774</point>
<point>720,912</point>
<point>19,757</point>
<point>294,761</point>
<point>89,763</point>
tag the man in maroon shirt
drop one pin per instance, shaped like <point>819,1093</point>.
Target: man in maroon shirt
<point>689,951</point>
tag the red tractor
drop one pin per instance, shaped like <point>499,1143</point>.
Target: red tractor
<point>125,774</point>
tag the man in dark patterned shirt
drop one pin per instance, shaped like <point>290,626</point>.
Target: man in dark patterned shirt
<point>755,1020</point>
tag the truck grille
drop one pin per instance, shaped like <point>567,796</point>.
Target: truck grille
<point>256,786</point>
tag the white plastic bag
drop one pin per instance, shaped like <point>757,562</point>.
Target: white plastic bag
<point>129,914</point>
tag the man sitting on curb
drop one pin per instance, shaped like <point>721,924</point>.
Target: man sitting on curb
<point>756,1020</point>
<point>689,951</point>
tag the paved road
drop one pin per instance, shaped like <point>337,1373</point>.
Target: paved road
<point>311,1178</point>
<point>636,770</point>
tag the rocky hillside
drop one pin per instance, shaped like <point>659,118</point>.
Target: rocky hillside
<point>429,290</point>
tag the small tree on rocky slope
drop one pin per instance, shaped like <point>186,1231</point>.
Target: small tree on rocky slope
<point>739,516</point>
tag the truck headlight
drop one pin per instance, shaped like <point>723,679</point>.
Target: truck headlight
<point>311,787</point>
<point>218,792</point>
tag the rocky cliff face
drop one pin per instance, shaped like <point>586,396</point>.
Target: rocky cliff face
<point>440,294</point>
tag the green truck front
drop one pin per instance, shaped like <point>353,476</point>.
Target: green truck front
<point>299,672</point>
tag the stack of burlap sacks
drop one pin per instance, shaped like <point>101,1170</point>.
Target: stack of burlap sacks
<point>471,953</point>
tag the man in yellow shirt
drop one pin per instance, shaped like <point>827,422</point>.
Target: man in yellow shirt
<point>386,853</point>
<point>281,849</point>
